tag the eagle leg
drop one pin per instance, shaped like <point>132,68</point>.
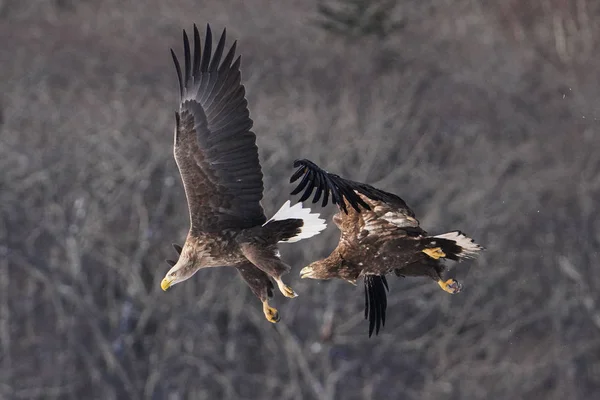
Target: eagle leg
<point>286,290</point>
<point>267,259</point>
<point>271,313</point>
<point>451,286</point>
<point>262,287</point>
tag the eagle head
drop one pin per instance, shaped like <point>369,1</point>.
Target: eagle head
<point>180,271</point>
<point>317,270</point>
<point>331,267</point>
<point>307,272</point>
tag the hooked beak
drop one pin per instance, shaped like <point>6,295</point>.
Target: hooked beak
<point>306,272</point>
<point>166,283</point>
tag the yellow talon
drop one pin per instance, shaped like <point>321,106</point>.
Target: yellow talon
<point>286,290</point>
<point>451,286</point>
<point>435,253</point>
<point>271,314</point>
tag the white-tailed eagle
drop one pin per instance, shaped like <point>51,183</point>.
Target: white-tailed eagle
<point>379,235</point>
<point>217,157</point>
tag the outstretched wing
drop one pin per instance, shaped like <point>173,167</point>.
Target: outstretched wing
<point>325,183</point>
<point>214,148</point>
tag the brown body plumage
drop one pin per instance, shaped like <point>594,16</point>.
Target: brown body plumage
<point>379,234</point>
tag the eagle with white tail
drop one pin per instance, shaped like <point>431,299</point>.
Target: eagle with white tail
<point>379,234</point>
<point>217,157</point>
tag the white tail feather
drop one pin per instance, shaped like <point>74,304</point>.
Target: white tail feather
<point>469,247</point>
<point>313,225</point>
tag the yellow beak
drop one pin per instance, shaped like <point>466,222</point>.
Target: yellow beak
<point>305,272</point>
<point>166,283</point>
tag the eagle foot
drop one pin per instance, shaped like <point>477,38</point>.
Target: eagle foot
<point>436,253</point>
<point>271,313</point>
<point>451,286</point>
<point>286,290</point>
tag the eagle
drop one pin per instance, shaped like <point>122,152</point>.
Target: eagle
<point>217,157</point>
<point>379,235</point>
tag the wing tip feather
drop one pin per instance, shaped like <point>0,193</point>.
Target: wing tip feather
<point>342,190</point>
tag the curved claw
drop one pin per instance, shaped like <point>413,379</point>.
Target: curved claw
<point>451,286</point>
<point>271,313</point>
<point>286,290</point>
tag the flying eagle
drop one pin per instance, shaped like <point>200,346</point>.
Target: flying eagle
<point>217,157</point>
<point>379,234</point>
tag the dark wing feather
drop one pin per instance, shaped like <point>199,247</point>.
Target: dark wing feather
<point>340,188</point>
<point>214,147</point>
<point>177,248</point>
<point>376,287</point>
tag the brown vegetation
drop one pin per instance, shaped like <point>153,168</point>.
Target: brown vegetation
<point>482,117</point>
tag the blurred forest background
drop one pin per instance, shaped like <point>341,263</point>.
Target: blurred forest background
<point>483,116</point>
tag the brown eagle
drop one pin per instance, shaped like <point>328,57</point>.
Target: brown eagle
<point>217,157</point>
<point>379,234</point>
